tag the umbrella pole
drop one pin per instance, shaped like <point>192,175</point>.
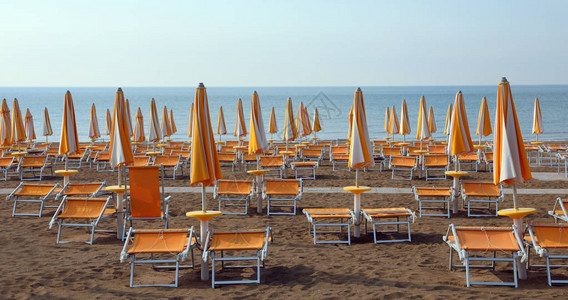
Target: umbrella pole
<point>120,207</point>
<point>204,227</point>
<point>456,163</point>
<point>515,203</point>
<point>357,177</point>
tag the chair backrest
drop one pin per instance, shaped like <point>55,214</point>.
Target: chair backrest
<point>282,187</point>
<point>379,142</point>
<point>481,188</point>
<point>226,157</point>
<point>231,143</point>
<point>166,160</point>
<point>102,156</point>
<point>33,161</point>
<point>237,187</point>
<point>271,161</point>
<point>249,157</point>
<point>145,196</point>
<point>391,151</point>
<point>84,208</point>
<point>33,190</point>
<point>227,149</point>
<point>468,156</point>
<point>316,147</point>
<point>435,160</point>
<point>437,149</point>
<point>140,161</point>
<point>184,154</point>
<point>553,235</point>
<point>403,161</point>
<point>311,152</point>
<point>83,189</point>
<point>6,162</point>
<point>339,150</point>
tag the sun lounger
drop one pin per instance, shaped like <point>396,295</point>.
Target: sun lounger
<point>379,217</point>
<point>88,210</point>
<point>34,165</point>
<point>309,166</point>
<point>158,242</point>
<point>228,159</point>
<point>281,193</point>
<point>551,242</point>
<point>312,154</point>
<point>272,163</point>
<point>140,161</point>
<point>470,159</point>
<point>439,150</point>
<point>75,160</point>
<point>33,193</point>
<point>432,195</point>
<point>403,167</point>
<point>435,163</point>
<point>472,242</point>
<point>93,189</point>
<point>233,193</point>
<point>488,159</point>
<point>168,163</point>
<point>340,159</point>
<point>329,217</point>
<point>388,152</point>
<point>563,157</point>
<point>8,166</point>
<point>475,192</point>
<point>560,210</point>
<point>241,245</point>
<point>101,160</point>
<point>185,157</point>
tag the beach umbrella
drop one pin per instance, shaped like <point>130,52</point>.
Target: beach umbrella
<point>432,121</point>
<point>448,123</point>
<point>69,142</point>
<point>139,127</point>
<point>257,138</point>
<point>5,125</point>
<point>350,123</point>
<point>317,125</point>
<point>422,130</point>
<point>387,119</point>
<point>240,127</point>
<point>108,121</point>
<point>537,119</point>
<point>221,128</point>
<point>129,119</point>
<point>154,133</point>
<point>290,132</point>
<point>190,126</point>
<point>404,121</point>
<point>511,165</point>
<point>94,132</point>
<point>18,134</point>
<point>393,123</point>
<point>483,122</point>
<point>306,121</point>
<point>460,139</point>
<point>165,126</point>
<point>47,131</point>
<point>273,128</point>
<point>172,123</point>
<point>29,126</point>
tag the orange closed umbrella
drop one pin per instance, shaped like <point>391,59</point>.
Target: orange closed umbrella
<point>120,146</point>
<point>257,138</point>
<point>273,128</point>
<point>190,126</point>
<point>422,130</point>
<point>404,121</point>
<point>317,124</point>
<point>172,123</point>
<point>69,142</point>
<point>5,124</point>
<point>537,119</point>
<point>139,127</point>
<point>165,126</point>
<point>154,133</point>
<point>240,127</point>
<point>387,118</point>
<point>393,123</point>
<point>448,123</point>
<point>47,131</point>
<point>221,128</point>
<point>128,119</point>
<point>290,132</point>
<point>94,132</point>
<point>483,122</point>
<point>18,133</point>
<point>108,121</point>
<point>29,126</point>
<point>432,121</point>
<point>350,127</point>
<point>460,139</point>
<point>300,121</point>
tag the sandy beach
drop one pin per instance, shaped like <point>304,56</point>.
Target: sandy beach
<point>36,267</point>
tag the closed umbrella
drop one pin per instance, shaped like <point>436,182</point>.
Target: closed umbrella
<point>302,125</point>
<point>483,122</point>
<point>69,142</point>
<point>240,127</point>
<point>172,123</point>
<point>350,127</point>
<point>154,133</point>
<point>129,119</point>
<point>94,132</point>
<point>221,128</point>
<point>18,133</point>
<point>387,118</point>
<point>29,126</point>
<point>108,121</point>
<point>317,125</point>
<point>257,138</point>
<point>139,136</point>
<point>448,123</point>
<point>404,121</point>
<point>422,130</point>
<point>190,126</point>
<point>47,131</point>
<point>273,128</point>
<point>460,139</point>
<point>5,125</point>
<point>165,126</point>
<point>537,119</point>
<point>393,123</point>
<point>306,121</point>
<point>432,121</point>
<point>290,132</point>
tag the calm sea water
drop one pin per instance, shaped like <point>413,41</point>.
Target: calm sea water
<point>333,104</point>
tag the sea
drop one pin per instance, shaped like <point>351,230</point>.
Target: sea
<point>333,104</point>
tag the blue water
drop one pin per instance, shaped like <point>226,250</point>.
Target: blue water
<point>333,105</point>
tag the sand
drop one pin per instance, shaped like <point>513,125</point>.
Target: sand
<point>34,266</point>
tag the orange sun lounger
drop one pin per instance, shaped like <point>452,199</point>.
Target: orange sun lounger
<point>377,217</point>
<point>168,163</point>
<point>280,193</point>
<point>163,242</point>
<point>434,195</point>
<point>228,159</point>
<point>239,244</point>
<point>403,167</point>
<point>329,217</point>
<point>469,159</point>
<point>484,192</point>
<point>548,240</point>
<point>93,189</point>
<point>8,166</point>
<point>89,210</point>
<point>33,193</point>
<point>309,166</point>
<point>467,241</point>
<point>233,193</point>
<point>435,163</point>
<point>34,165</point>
<point>559,211</point>
<point>272,163</point>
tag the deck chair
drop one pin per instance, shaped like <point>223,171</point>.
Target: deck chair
<point>75,160</point>
<point>231,143</point>
<point>33,193</point>
<point>438,149</point>
<point>146,200</point>
<point>281,193</point>
<point>470,159</point>
<point>312,154</point>
<point>88,211</point>
<point>240,245</point>
<point>403,167</point>
<point>382,217</point>
<point>329,217</point>
<point>300,166</point>
<point>439,197</point>
<point>158,242</point>
<point>185,157</point>
<point>481,192</point>
<point>34,165</point>
<point>168,163</point>
<point>340,159</point>
<point>388,152</point>
<point>551,242</point>
<point>563,157</point>
<point>86,190</point>
<point>338,150</point>
<point>102,162</point>
<point>435,167</point>
<point>274,164</point>
<point>488,159</point>
<point>8,166</point>
<point>233,193</point>
<point>559,211</point>
<point>249,160</point>
<point>229,159</point>
<point>140,160</point>
<point>469,241</point>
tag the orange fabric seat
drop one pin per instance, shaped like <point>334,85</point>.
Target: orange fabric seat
<point>435,160</point>
<point>36,190</point>
<point>85,208</point>
<point>387,212</point>
<point>82,189</point>
<point>328,213</point>
<point>233,193</point>
<point>236,187</point>
<point>238,240</point>
<point>487,239</point>
<point>427,191</point>
<point>282,187</point>
<point>483,189</point>
<point>159,241</point>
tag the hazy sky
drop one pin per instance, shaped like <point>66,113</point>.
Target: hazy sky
<point>282,43</point>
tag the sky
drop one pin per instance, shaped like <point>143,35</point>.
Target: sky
<point>282,43</point>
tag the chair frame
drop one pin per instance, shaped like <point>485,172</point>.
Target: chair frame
<point>41,200</point>
<point>559,204</point>
<point>544,252</point>
<point>329,217</point>
<point>377,216</point>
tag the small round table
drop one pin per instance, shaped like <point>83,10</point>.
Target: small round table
<point>517,215</point>
<point>258,174</point>
<point>357,191</point>
<point>204,216</point>
<point>456,175</point>
<point>66,174</point>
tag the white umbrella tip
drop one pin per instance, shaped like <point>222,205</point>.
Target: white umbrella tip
<point>503,79</point>
<point>201,85</point>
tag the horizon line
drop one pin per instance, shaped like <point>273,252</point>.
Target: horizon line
<point>265,86</point>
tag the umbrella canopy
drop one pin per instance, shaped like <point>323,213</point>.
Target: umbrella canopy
<point>129,119</point>
<point>120,147</point>
<point>94,132</point>
<point>460,139</point>
<point>290,132</point>
<point>393,123</point>
<point>139,127</point>
<point>108,121</point>
<point>387,119</point>
<point>205,167</point>
<point>306,120</point>
<point>431,121</point>
<point>360,145</point>
<point>69,142</point>
<point>172,123</point>
<point>240,128</point>
<point>165,126</point>
<point>404,120</point>
<point>448,123</point>
<point>18,133</point>
<point>350,127</point>
<point>221,128</point>
<point>273,126</point>
<point>5,124</point>
<point>483,122</point>
<point>154,133</point>
<point>47,131</point>
<point>257,138</point>
<point>317,125</point>
<point>29,126</point>
<point>190,126</point>
<point>537,119</point>
<point>422,130</point>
